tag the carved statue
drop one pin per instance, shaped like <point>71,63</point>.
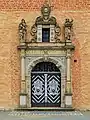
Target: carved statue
<point>68,26</point>
<point>22,31</point>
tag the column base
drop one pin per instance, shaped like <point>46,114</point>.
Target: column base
<point>68,100</point>
<point>23,100</point>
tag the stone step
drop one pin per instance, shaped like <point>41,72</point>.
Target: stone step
<point>45,109</point>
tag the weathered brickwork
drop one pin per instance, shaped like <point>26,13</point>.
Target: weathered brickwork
<point>12,11</point>
<point>15,82</point>
<point>32,4</point>
<point>76,75</point>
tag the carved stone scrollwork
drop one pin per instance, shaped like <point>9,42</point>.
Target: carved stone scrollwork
<point>57,32</point>
<point>34,33</point>
<point>68,29</point>
<point>22,31</point>
<point>47,21</point>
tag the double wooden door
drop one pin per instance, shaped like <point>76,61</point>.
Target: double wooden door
<point>45,88</point>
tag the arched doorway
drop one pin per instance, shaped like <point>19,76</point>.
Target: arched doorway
<point>45,85</point>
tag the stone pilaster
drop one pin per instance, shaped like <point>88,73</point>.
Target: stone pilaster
<point>23,95</point>
<point>23,71</point>
<point>68,91</point>
<point>30,91</point>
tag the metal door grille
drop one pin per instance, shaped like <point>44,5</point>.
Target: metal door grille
<point>46,89</point>
<point>45,85</point>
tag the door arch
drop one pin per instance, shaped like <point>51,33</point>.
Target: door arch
<point>45,85</point>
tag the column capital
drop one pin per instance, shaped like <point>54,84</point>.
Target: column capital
<point>68,54</point>
<point>68,57</point>
<point>22,52</point>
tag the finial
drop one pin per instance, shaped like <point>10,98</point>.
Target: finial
<point>46,2</point>
<point>46,10</point>
<point>49,2</point>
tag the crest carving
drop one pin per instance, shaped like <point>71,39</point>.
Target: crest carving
<point>45,19</point>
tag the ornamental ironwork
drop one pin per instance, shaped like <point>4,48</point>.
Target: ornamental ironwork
<point>46,87</point>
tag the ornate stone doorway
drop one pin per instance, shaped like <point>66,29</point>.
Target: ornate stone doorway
<point>45,85</point>
<point>43,49</point>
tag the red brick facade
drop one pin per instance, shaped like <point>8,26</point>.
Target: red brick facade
<point>11,13</point>
<point>29,5</point>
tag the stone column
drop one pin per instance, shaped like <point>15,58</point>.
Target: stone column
<point>23,82</point>
<point>23,71</point>
<point>29,90</point>
<point>68,90</point>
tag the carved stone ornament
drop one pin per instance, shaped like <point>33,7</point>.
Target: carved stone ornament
<point>57,32</point>
<point>68,29</point>
<point>22,31</point>
<point>34,33</point>
<point>45,19</point>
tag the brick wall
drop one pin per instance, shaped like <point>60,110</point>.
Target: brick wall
<point>12,11</point>
<point>32,4</point>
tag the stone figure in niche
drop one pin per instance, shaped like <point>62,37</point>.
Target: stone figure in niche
<point>22,31</point>
<point>68,29</point>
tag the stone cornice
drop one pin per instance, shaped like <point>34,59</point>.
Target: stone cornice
<point>46,46</point>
